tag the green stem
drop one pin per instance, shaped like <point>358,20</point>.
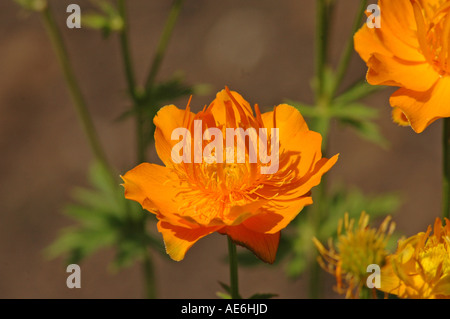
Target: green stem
<point>234,283</point>
<point>126,54</point>
<point>131,82</point>
<point>324,10</point>
<point>75,91</point>
<point>446,167</point>
<point>321,45</point>
<point>148,268</point>
<point>149,272</point>
<point>365,293</point>
<point>348,51</point>
<point>163,42</point>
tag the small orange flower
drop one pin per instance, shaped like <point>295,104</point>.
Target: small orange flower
<point>411,50</point>
<point>195,198</point>
<point>420,268</point>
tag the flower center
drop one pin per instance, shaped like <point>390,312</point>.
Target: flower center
<point>433,28</point>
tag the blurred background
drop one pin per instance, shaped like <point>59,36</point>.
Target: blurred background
<point>263,49</point>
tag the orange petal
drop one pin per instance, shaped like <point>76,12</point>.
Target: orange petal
<point>393,71</point>
<point>178,239</point>
<point>264,246</point>
<point>155,187</point>
<point>367,42</point>
<point>230,111</point>
<point>399,29</point>
<point>166,120</point>
<point>272,219</point>
<point>289,121</point>
<point>396,37</point>
<point>423,108</point>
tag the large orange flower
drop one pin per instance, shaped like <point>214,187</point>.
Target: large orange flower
<point>411,50</point>
<point>192,200</point>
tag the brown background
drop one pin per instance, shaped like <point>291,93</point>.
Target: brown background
<point>261,48</point>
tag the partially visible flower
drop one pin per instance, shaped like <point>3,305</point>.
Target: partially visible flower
<point>357,247</point>
<point>420,268</point>
<point>411,50</point>
<point>195,198</point>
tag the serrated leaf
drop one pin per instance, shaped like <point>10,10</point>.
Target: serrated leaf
<point>263,296</point>
<point>80,243</point>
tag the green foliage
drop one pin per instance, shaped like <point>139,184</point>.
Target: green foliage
<point>151,101</point>
<point>104,219</point>
<point>107,18</point>
<point>339,201</point>
<point>33,5</point>
<point>356,115</point>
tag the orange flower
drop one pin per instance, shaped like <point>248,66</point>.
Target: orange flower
<point>193,198</point>
<point>411,50</point>
<point>420,268</point>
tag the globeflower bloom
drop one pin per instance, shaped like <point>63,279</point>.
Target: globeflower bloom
<point>411,50</point>
<point>357,247</point>
<point>420,268</point>
<point>196,197</point>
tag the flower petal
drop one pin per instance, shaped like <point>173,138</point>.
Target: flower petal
<point>155,187</point>
<point>166,120</point>
<point>272,219</point>
<point>417,76</point>
<point>264,246</point>
<point>423,108</point>
<point>178,239</point>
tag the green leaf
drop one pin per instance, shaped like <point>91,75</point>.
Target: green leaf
<point>306,110</point>
<point>263,296</point>
<point>104,219</point>
<point>80,243</point>
<point>359,90</point>
<point>223,295</point>
<point>225,287</point>
<point>354,111</point>
<point>368,131</point>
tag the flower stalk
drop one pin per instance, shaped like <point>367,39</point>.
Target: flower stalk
<point>163,42</point>
<point>75,91</point>
<point>234,280</point>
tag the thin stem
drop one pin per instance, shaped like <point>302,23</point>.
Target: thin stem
<point>321,45</point>
<point>149,275</point>
<point>75,91</point>
<point>324,10</point>
<point>125,48</point>
<point>234,282</point>
<point>365,293</point>
<point>131,82</point>
<point>348,51</point>
<point>446,171</point>
<point>163,42</point>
